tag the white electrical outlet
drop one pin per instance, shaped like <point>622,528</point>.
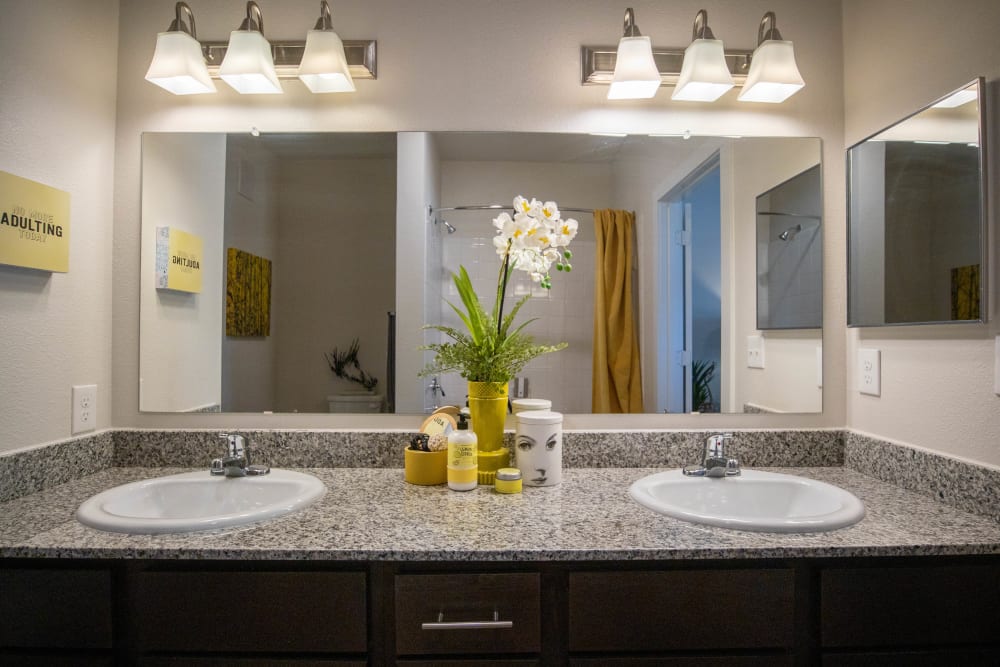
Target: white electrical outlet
<point>996,368</point>
<point>819,367</point>
<point>755,352</point>
<point>870,371</point>
<point>84,408</point>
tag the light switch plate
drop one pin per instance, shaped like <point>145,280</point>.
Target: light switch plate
<point>755,352</point>
<point>870,371</point>
<point>84,408</point>
<point>819,367</point>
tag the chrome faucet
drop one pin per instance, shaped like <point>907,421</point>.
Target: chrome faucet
<point>715,462</point>
<point>236,462</point>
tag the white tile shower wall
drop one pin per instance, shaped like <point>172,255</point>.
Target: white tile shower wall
<point>565,314</point>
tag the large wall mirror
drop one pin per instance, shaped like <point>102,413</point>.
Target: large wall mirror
<point>917,217</point>
<point>306,243</point>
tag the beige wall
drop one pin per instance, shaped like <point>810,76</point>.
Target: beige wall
<point>490,74</point>
<point>180,360</point>
<point>336,254</point>
<point>251,225</point>
<point>788,381</point>
<point>57,126</point>
<point>937,381</point>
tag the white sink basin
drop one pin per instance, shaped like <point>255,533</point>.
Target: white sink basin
<point>198,501</point>
<point>755,500</point>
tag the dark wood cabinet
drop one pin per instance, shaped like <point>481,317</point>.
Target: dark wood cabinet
<point>322,612</point>
<point>681,610</point>
<point>55,608</point>
<point>916,606</point>
<point>906,612</point>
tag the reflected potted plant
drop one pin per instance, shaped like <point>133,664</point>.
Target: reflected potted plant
<point>702,373</point>
<point>346,366</point>
<point>492,349</point>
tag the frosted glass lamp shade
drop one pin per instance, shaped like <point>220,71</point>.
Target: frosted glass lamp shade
<point>704,74</point>
<point>324,66</point>
<point>178,65</point>
<point>773,76</point>
<point>248,66</point>
<point>636,75</point>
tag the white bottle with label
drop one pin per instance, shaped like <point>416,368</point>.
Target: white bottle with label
<point>463,457</point>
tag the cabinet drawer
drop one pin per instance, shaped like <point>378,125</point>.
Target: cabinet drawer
<point>683,610</point>
<point>425,600</point>
<point>55,608</point>
<point>910,606</point>
<point>251,611</point>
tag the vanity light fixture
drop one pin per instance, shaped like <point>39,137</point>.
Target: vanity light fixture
<point>324,65</point>
<point>251,64</point>
<point>773,75</point>
<point>178,64</point>
<point>248,67</point>
<point>705,76</point>
<point>636,75</point>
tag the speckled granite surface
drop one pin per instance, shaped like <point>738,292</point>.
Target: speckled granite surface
<point>371,514</point>
<point>957,483</point>
<point>384,449</point>
<point>31,470</point>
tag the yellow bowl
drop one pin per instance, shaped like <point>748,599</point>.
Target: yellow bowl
<point>425,468</point>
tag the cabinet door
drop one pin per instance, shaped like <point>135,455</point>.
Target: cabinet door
<point>943,658</point>
<point>910,606</point>
<point>680,610</point>
<point>251,611</point>
<point>468,613</point>
<point>688,661</point>
<point>188,661</point>
<point>47,608</point>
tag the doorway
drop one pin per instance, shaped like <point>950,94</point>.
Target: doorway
<point>689,328</point>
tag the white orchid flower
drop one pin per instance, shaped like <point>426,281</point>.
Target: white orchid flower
<point>523,206</point>
<point>502,221</point>
<point>550,211</point>
<point>565,232</point>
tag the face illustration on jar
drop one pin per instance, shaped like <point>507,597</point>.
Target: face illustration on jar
<point>532,455</point>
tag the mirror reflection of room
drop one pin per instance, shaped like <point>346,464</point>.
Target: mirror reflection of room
<point>916,219</point>
<point>325,210</point>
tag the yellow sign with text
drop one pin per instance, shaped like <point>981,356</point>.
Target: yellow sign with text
<point>178,260</point>
<point>34,224</point>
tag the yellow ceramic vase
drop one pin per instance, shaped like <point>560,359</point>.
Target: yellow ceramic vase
<point>488,410</point>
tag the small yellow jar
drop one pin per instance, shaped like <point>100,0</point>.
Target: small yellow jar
<point>508,480</point>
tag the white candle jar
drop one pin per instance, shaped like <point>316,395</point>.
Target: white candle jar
<point>538,447</point>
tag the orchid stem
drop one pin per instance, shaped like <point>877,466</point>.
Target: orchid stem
<point>502,288</point>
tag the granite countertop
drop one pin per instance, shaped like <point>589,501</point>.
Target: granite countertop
<point>371,514</point>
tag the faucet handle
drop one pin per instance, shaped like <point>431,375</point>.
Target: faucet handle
<point>235,445</point>
<point>716,445</point>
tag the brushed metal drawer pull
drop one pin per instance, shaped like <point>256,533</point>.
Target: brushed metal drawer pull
<point>441,624</point>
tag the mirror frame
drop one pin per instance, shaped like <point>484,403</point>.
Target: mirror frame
<point>984,250</point>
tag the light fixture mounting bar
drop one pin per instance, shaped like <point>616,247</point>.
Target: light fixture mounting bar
<point>599,64</point>
<point>361,57</point>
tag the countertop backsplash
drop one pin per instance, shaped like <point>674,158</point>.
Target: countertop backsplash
<point>958,483</point>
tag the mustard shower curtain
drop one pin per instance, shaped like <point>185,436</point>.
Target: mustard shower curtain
<point>617,382</point>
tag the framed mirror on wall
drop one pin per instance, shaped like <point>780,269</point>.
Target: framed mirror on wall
<point>313,219</point>
<point>917,217</point>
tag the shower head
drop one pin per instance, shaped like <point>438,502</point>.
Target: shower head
<point>790,232</point>
<point>447,225</point>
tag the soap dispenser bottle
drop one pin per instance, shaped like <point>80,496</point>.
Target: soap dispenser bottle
<point>463,465</point>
